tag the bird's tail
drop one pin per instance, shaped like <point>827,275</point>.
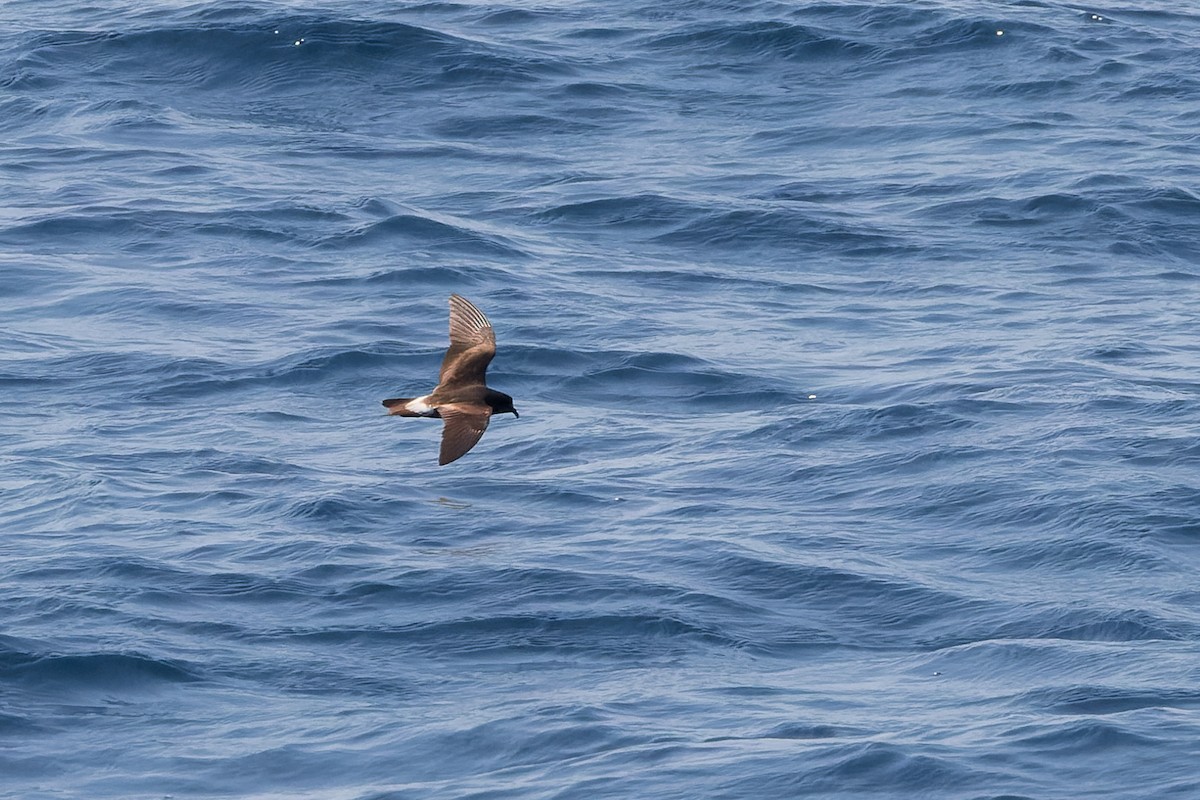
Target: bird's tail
<point>397,406</point>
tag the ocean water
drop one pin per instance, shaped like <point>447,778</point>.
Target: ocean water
<point>856,350</point>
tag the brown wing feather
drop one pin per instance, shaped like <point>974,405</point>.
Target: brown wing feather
<point>463,427</point>
<point>472,343</point>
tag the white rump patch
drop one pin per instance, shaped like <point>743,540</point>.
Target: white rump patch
<point>418,406</point>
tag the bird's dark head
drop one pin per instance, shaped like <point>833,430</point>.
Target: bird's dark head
<point>501,403</point>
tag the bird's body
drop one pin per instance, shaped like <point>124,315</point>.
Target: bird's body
<point>462,399</point>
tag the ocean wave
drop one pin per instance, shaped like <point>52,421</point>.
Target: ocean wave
<point>872,610</point>
<point>1091,736</point>
<point>1098,624</point>
<point>1094,700</point>
<point>94,672</point>
<point>765,39</point>
<point>667,380</point>
<point>257,52</point>
<point>554,636</point>
<point>638,211</point>
<point>422,231</point>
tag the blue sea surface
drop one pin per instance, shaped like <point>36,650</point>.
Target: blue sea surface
<point>857,350</point>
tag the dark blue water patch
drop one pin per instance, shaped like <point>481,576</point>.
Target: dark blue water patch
<point>19,725</point>
<point>33,278</point>
<point>56,155</point>
<point>243,590</point>
<point>256,71</point>
<point>33,69</point>
<point>1094,624</point>
<point>327,509</point>
<point>185,172</point>
<point>95,672</point>
<point>346,510</point>
<point>1097,748</point>
<point>645,635</point>
<point>518,18</point>
<point>792,138</point>
<point>1094,700</point>
<point>1121,211</point>
<point>554,359</point>
<point>757,40</point>
<point>1095,540</point>
<point>649,385</point>
<point>332,359</point>
<point>1173,514</point>
<point>661,381</point>
<point>260,55</point>
<point>961,34</point>
<point>785,229</point>
<point>512,744</point>
<point>1029,90</point>
<point>812,428</point>
<point>1178,275</point>
<point>850,608</point>
<point>442,276</point>
<point>597,91</point>
<point>373,150</point>
<point>82,367</point>
<point>860,767</point>
<point>1091,736</point>
<point>1093,519</point>
<point>190,378</point>
<point>1124,352</point>
<point>647,211</point>
<point>240,464</point>
<point>904,420</point>
<point>519,127</point>
<point>18,113</point>
<point>1000,211</point>
<point>526,590</point>
<point>824,194</point>
<point>608,33</point>
<point>1160,89</point>
<point>118,227</point>
<point>1158,203</point>
<point>802,731</point>
<point>703,281</point>
<point>146,229</point>
<point>422,231</point>
<point>171,376</point>
<point>141,303</point>
<point>130,117</point>
<point>280,222</point>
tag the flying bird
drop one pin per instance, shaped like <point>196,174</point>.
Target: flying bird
<point>462,398</point>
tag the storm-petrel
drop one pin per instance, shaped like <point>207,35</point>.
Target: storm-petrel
<point>462,399</point>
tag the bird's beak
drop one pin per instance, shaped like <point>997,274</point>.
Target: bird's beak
<point>515,414</point>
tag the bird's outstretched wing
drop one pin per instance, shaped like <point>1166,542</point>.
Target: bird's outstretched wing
<point>472,344</point>
<point>463,426</point>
